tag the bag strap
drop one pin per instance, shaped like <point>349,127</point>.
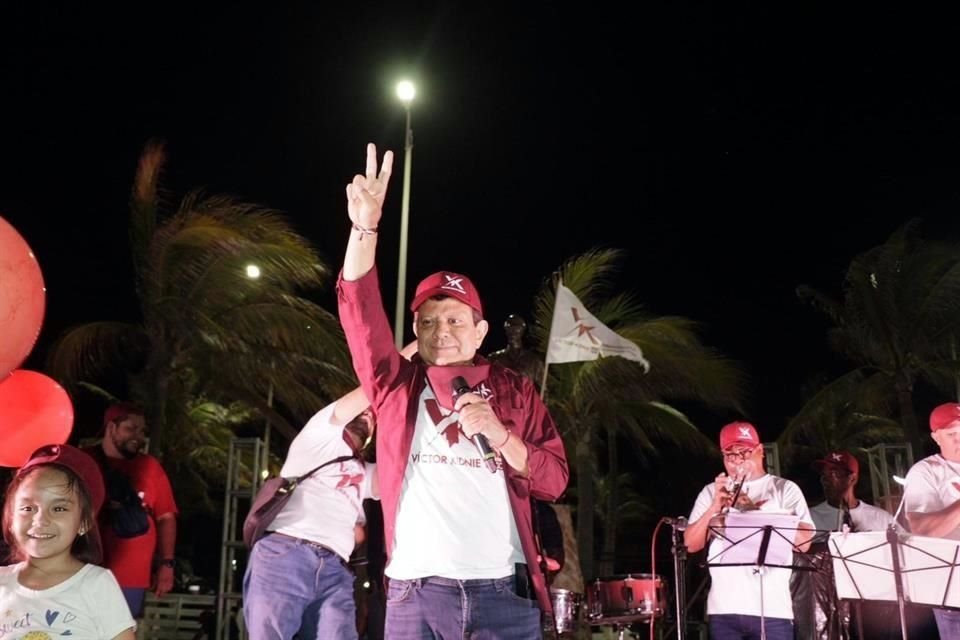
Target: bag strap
<point>300,479</point>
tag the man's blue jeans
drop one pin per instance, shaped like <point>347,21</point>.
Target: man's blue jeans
<point>445,609</point>
<point>135,596</point>
<point>294,587</point>
<point>948,622</point>
<point>736,627</point>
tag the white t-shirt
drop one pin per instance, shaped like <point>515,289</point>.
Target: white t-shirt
<point>748,590</point>
<point>326,506</point>
<point>865,517</point>
<point>88,605</point>
<point>454,518</point>
<point>933,484</point>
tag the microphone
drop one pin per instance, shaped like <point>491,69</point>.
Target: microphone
<point>845,518</point>
<point>461,387</point>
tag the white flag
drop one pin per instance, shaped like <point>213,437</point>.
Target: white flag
<point>576,335</point>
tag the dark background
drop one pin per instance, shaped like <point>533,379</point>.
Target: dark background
<point>733,150</point>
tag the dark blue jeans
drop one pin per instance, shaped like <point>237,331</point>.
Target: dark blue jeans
<point>135,598</point>
<point>948,622</point>
<point>293,587</point>
<point>445,609</point>
<point>737,627</point>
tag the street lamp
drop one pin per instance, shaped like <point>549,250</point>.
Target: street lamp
<point>253,272</point>
<point>405,91</point>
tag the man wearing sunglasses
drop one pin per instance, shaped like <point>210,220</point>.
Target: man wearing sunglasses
<point>746,602</point>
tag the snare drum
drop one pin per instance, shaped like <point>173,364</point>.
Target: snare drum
<point>626,598</point>
<point>566,609</point>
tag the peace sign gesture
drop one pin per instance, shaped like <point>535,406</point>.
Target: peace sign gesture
<point>365,194</point>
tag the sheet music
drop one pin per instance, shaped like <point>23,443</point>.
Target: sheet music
<point>742,533</point>
<point>863,568</point>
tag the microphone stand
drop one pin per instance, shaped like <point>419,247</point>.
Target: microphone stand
<point>679,573</point>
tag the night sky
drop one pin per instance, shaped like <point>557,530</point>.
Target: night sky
<point>733,150</point>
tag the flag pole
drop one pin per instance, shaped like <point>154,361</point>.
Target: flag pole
<point>543,383</point>
<point>546,355</point>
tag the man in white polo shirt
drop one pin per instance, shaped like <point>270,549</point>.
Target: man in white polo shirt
<point>931,498</point>
<point>839,473</point>
<point>746,602</point>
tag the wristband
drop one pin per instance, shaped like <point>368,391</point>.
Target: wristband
<point>364,231</point>
<point>505,441</point>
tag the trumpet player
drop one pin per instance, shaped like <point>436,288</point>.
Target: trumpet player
<point>746,602</point>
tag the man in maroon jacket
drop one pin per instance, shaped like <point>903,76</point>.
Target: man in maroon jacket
<point>463,446</point>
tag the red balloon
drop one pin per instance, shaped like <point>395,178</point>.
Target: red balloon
<point>34,411</point>
<point>22,299</point>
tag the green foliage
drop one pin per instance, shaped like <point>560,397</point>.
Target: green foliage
<point>597,402</point>
<point>897,323</point>
<point>215,348</point>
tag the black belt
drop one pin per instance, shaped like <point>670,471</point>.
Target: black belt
<point>311,543</point>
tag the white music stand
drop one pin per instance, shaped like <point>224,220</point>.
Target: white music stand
<point>894,566</point>
<point>758,539</point>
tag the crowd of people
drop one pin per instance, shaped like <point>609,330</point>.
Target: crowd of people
<point>468,462</point>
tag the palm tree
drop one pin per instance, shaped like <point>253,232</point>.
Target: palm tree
<point>594,403</point>
<point>897,321</point>
<point>214,341</point>
<point>846,414</point>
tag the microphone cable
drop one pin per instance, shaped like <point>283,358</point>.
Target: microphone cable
<point>653,571</point>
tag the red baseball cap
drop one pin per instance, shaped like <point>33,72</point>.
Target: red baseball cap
<point>839,459</point>
<point>742,433</point>
<point>447,283</point>
<point>944,416</point>
<point>80,463</point>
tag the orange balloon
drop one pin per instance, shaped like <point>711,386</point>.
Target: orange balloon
<point>34,411</point>
<point>22,299</point>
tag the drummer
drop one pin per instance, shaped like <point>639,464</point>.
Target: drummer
<point>745,602</point>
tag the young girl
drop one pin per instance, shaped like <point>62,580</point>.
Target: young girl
<point>49,521</point>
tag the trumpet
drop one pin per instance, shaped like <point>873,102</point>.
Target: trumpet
<point>734,486</point>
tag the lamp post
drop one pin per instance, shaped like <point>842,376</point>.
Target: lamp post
<point>253,272</point>
<point>405,91</point>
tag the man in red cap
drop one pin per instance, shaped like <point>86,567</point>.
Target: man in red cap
<point>136,484</point>
<point>463,446</point>
<point>931,498</point>
<point>839,473</point>
<point>744,602</point>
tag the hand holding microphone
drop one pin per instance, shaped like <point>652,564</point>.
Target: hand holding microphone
<point>470,420</point>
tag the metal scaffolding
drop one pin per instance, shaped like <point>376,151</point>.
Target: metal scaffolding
<point>886,461</point>
<point>771,453</point>
<point>246,471</point>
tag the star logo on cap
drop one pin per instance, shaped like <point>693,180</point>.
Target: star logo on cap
<point>454,283</point>
<point>745,432</point>
<point>836,457</point>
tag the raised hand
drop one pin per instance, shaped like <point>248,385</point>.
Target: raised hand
<point>365,194</point>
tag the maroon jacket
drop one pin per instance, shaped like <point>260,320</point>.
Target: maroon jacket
<point>394,385</point>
